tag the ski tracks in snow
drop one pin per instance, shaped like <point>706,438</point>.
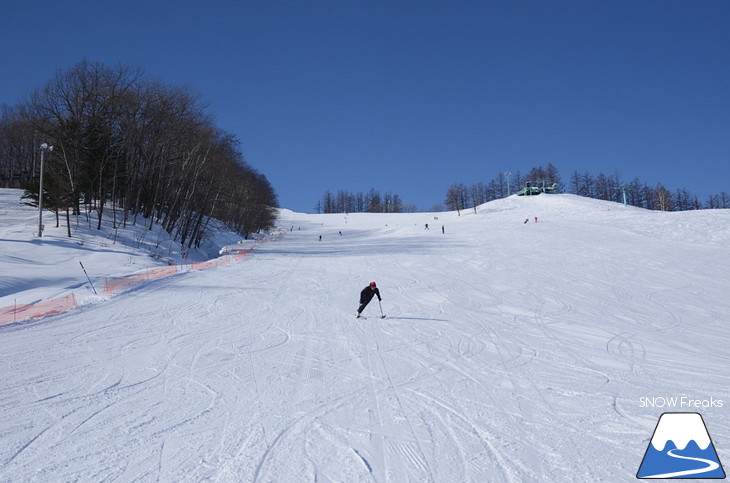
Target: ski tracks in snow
<point>258,371</point>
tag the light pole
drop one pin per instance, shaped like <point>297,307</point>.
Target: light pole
<point>44,147</point>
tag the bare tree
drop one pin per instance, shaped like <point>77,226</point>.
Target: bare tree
<point>146,147</point>
<point>456,198</point>
<point>664,198</point>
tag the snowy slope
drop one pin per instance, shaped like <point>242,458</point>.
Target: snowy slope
<point>511,351</point>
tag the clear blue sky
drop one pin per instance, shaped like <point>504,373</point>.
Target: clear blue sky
<point>413,96</point>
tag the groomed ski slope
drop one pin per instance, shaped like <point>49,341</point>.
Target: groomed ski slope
<point>511,351</point>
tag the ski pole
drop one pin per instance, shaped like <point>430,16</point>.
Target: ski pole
<point>382,315</point>
<point>87,277</point>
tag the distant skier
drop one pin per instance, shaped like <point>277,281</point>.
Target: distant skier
<point>366,295</point>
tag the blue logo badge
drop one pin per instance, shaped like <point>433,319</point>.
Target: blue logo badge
<point>681,448</point>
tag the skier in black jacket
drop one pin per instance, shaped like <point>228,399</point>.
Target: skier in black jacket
<point>366,296</point>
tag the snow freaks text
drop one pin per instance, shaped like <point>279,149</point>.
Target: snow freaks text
<point>679,402</point>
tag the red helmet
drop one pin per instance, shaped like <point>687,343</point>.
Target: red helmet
<point>372,284</point>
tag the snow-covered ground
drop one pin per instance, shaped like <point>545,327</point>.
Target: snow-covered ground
<point>511,351</point>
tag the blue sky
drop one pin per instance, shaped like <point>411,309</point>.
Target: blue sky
<point>413,96</point>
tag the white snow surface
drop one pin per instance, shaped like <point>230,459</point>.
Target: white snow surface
<point>511,351</point>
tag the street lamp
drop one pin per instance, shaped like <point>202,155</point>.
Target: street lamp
<point>623,191</point>
<point>44,147</point>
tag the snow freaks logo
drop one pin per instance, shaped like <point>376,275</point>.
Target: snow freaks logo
<point>681,448</point>
<point>682,402</point>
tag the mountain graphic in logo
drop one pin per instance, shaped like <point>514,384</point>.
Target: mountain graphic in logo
<point>681,448</point>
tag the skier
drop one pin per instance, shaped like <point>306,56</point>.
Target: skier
<point>366,296</point>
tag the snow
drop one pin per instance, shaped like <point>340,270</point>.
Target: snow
<point>511,351</point>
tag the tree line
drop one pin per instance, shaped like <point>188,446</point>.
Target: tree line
<point>610,188</point>
<point>373,201</point>
<point>145,147</point>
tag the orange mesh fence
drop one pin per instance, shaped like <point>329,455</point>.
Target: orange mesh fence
<point>16,313</point>
<point>210,263</point>
<point>19,312</point>
<point>242,253</point>
<point>112,285</point>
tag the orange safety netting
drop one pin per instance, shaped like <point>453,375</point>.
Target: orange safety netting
<point>235,255</point>
<point>210,263</point>
<point>242,253</point>
<point>112,285</point>
<point>18,312</point>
